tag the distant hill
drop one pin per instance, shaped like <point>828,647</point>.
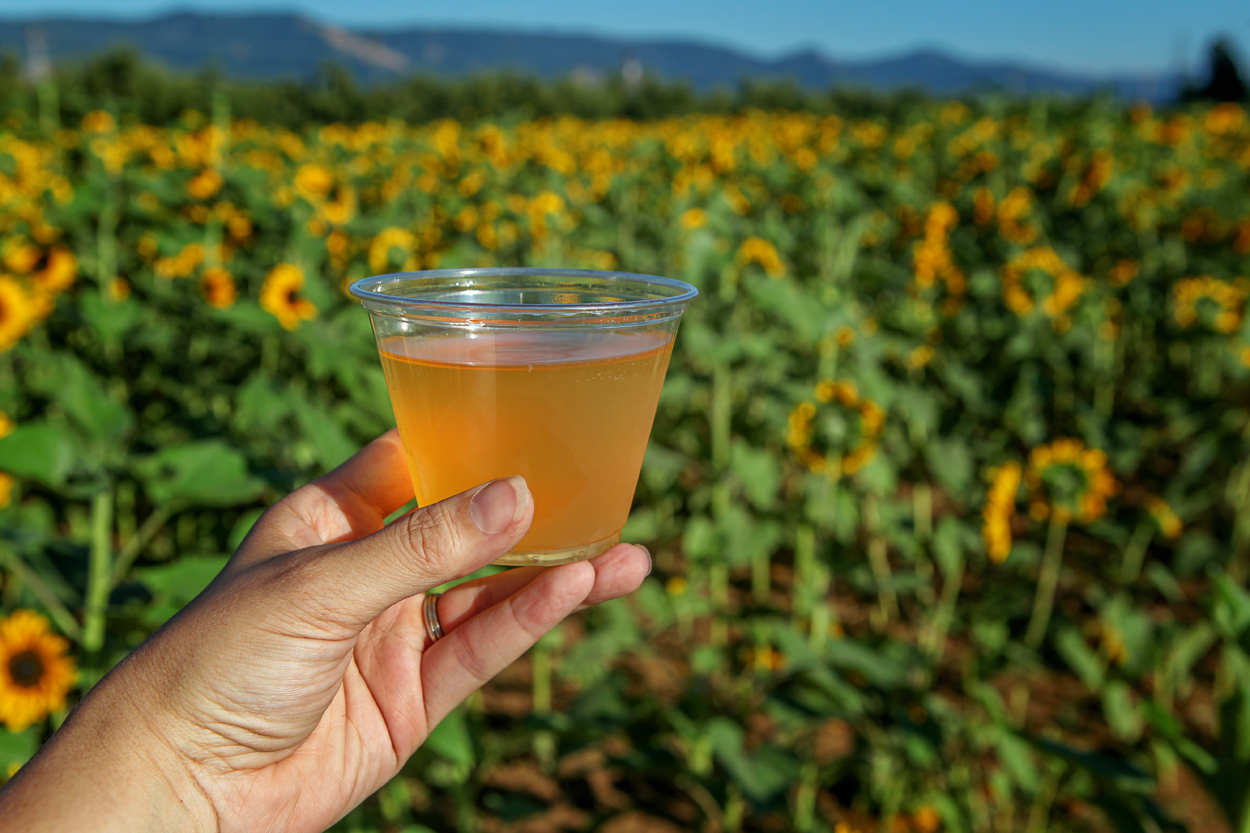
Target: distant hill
<point>269,46</point>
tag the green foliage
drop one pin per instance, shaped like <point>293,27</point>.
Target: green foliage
<point>946,357</point>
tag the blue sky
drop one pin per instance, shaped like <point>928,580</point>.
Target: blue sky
<point>1080,35</point>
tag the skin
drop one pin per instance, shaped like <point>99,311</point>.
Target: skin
<point>302,678</point>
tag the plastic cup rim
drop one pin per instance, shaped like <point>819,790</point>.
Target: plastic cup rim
<point>361,289</point>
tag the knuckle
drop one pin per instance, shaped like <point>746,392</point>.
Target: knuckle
<point>471,659</point>
<point>431,538</point>
<point>524,621</point>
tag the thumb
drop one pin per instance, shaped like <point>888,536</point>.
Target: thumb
<point>358,580</point>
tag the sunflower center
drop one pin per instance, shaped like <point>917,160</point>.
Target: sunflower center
<point>26,669</point>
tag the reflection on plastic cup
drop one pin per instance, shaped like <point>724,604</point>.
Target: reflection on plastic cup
<point>550,374</point>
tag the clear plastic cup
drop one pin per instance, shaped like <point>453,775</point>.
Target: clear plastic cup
<point>552,374</point>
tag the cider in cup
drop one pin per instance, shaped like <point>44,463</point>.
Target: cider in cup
<point>550,374</point>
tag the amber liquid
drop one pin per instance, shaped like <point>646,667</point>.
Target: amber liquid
<point>568,411</point>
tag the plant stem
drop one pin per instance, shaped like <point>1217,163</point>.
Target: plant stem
<point>880,562</point>
<point>1135,552</point>
<point>718,589</point>
<point>922,509</point>
<point>1039,812</point>
<point>135,546</point>
<point>761,567</point>
<point>56,610</point>
<point>544,741</point>
<point>735,809</point>
<point>99,571</point>
<point>801,596</point>
<point>721,417</point>
<point>805,798</point>
<point>935,637</point>
<point>1047,581</point>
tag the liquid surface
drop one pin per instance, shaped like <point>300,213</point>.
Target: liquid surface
<point>568,411</point>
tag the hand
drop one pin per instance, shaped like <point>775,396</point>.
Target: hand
<point>301,679</point>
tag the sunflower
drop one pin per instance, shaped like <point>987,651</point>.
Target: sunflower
<point>758,250</point>
<point>204,185</point>
<point>803,424</point>
<point>693,218</point>
<point>1068,480</point>
<point>1065,289</point>
<point>313,182</point>
<point>19,256</point>
<point>277,296</point>
<point>392,238</point>
<point>1013,214</point>
<point>932,260</point>
<point>16,312</point>
<point>1223,300</point>
<point>58,274</point>
<point>35,673</point>
<point>1000,507</point>
<point>217,287</point>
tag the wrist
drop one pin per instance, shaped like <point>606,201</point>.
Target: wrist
<point>106,769</point>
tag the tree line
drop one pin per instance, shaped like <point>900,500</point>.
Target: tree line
<point>124,83</point>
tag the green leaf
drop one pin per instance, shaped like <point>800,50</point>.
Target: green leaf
<point>181,581</point>
<point>746,537</point>
<point>1017,758</point>
<point>83,396</point>
<point>242,527</point>
<point>1185,651</point>
<point>1124,718</point>
<point>319,428</point>
<point>1170,728</point>
<point>762,775</point>
<point>948,549</point>
<point>39,451</point>
<point>208,472</point>
<point>1232,606</point>
<point>451,739</point>
<point>643,525</point>
<point>248,317</point>
<point>879,667</point>
<point>1164,582</point>
<point>661,467</point>
<point>1080,658</point>
<point>260,405</point>
<point>951,463</point>
<point>590,658</point>
<point>759,472</point>
<point>786,299</point>
<point>1103,766</point>
<point>1195,550</point>
<point>17,747</point>
<point>110,319</point>
<point>701,539</point>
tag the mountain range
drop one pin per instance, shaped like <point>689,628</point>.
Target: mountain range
<point>270,46</point>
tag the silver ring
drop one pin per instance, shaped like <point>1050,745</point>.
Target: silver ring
<point>429,611</point>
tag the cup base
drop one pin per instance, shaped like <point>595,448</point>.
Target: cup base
<point>550,558</point>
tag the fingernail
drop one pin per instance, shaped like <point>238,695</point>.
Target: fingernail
<point>498,504</point>
<point>650,560</point>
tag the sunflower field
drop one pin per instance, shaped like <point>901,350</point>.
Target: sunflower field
<point>948,491</point>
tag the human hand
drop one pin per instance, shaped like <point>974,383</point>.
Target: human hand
<point>302,678</point>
